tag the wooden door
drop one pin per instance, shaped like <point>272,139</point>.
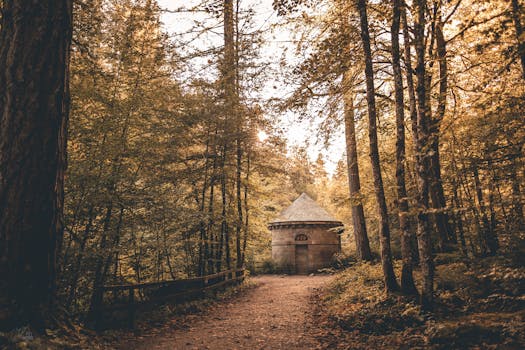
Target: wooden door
<point>301,259</point>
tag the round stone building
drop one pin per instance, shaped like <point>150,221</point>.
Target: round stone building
<point>304,237</point>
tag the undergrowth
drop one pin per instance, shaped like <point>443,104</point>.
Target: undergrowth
<point>149,321</point>
<point>479,306</point>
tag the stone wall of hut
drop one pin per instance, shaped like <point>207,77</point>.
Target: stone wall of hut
<point>304,247</point>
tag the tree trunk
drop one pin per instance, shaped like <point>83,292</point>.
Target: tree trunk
<point>489,238</point>
<point>407,279</point>
<point>94,313</point>
<point>457,204</point>
<point>516,12</point>
<point>78,262</point>
<point>362,244</point>
<point>240,219</point>
<point>412,104</point>
<point>229,81</point>
<point>384,230</point>
<point>211,247</point>
<point>239,145</point>
<point>409,78</point>
<point>423,176</point>
<point>246,207</point>
<point>35,38</point>
<point>203,239</point>
<point>437,194</point>
<point>517,205</point>
<point>459,218</point>
<point>492,196</point>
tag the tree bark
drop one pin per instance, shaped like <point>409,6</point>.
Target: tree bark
<point>358,216</point>
<point>489,239</point>
<point>457,204</point>
<point>79,258</point>
<point>459,218</point>
<point>407,279</point>
<point>229,80</point>
<point>409,77</point>
<point>203,242</point>
<point>211,247</point>
<point>239,143</point>
<point>95,312</point>
<point>517,205</point>
<point>516,11</point>
<point>384,230</point>
<point>240,219</point>
<point>246,207</point>
<point>35,38</point>
<point>423,176</point>
<point>409,71</point>
<point>437,194</point>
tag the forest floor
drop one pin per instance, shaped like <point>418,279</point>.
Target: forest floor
<point>275,314</point>
<point>480,304</point>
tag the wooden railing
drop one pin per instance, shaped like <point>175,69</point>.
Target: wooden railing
<point>128,297</point>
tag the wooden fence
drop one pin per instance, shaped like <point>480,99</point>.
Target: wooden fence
<point>129,297</point>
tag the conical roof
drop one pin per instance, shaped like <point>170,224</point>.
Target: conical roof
<point>303,209</point>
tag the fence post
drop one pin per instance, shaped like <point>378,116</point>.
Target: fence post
<point>131,308</point>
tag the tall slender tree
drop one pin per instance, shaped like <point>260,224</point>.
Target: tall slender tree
<point>437,193</point>
<point>229,81</point>
<point>422,158</point>
<point>358,215</point>
<point>384,230</point>
<point>407,279</point>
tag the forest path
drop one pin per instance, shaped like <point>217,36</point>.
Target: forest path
<point>276,314</point>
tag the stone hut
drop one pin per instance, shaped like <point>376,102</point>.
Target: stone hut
<point>304,237</point>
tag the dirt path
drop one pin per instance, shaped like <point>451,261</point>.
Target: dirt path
<point>273,315</point>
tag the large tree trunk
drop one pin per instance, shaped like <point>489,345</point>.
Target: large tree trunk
<point>423,176</point>
<point>407,279</point>
<point>384,230</point>
<point>362,244</point>
<point>35,38</point>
